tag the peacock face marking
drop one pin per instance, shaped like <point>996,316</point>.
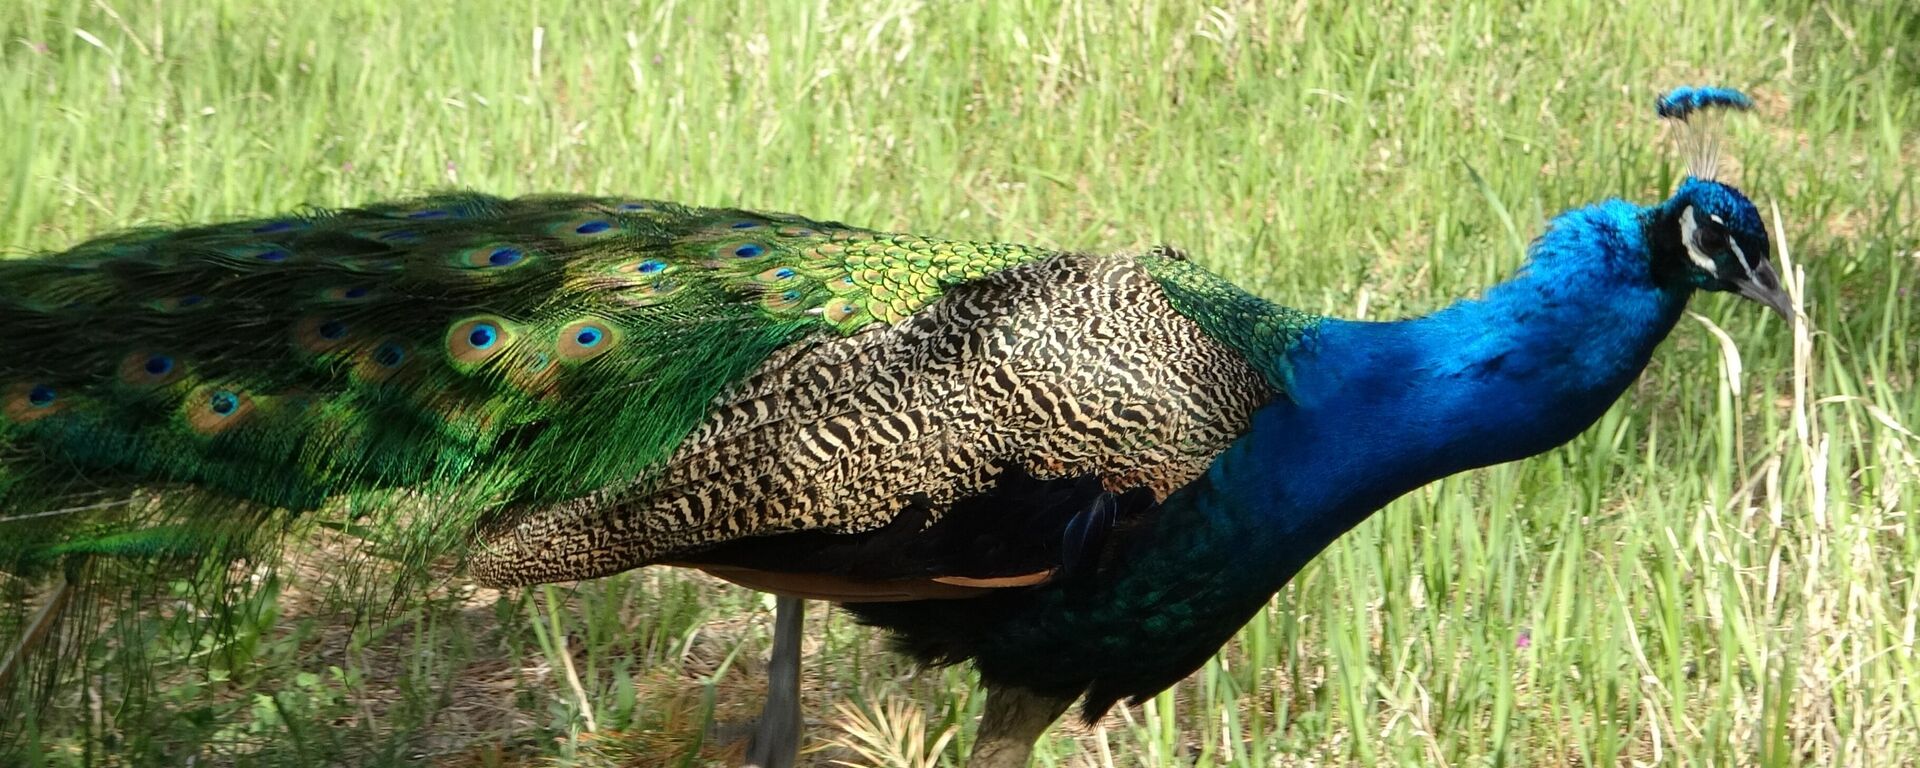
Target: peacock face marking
<point>1718,234</point>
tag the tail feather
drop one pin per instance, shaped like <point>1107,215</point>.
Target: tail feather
<point>172,398</point>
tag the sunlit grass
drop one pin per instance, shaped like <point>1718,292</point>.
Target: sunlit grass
<point>1721,572</point>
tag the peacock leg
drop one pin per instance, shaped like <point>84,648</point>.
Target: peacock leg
<point>775,742</point>
<point>1014,719</point>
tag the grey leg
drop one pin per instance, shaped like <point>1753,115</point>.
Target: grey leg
<point>1013,720</point>
<point>775,742</point>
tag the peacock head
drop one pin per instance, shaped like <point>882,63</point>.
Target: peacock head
<point>1709,235</point>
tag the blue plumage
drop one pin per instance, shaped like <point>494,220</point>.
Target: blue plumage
<point>1370,411</point>
<point>1681,103</point>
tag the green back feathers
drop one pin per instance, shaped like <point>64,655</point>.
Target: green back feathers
<point>1261,331</point>
<point>481,352</point>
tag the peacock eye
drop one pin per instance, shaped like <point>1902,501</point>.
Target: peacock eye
<point>1711,238</point>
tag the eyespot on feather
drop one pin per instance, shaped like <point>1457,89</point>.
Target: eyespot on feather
<point>783,300</point>
<point>477,340</point>
<point>491,257</point>
<point>840,310</point>
<point>844,285</point>
<point>740,251</point>
<point>26,403</point>
<point>213,409</point>
<point>320,334</point>
<point>347,294</point>
<point>585,340</point>
<point>585,228</point>
<point>146,369</point>
<point>646,267</point>
<point>777,275</point>
<point>383,360</point>
<point>653,291</point>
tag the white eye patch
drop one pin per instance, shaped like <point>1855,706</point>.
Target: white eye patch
<point>1687,230</point>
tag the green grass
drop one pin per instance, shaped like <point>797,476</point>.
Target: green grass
<point>1721,572</point>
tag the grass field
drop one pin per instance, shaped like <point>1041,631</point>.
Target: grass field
<point>1722,572</point>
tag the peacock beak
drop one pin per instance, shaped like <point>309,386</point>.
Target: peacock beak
<point>1763,286</point>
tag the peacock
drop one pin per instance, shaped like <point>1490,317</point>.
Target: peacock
<point>1081,473</point>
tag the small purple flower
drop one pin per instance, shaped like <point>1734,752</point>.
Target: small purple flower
<point>346,167</point>
<point>1524,641</point>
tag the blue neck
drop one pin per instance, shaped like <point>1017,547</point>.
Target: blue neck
<point>1374,410</point>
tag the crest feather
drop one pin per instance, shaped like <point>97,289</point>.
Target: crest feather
<point>1697,109</point>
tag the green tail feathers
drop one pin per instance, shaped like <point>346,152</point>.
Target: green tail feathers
<point>498,352</point>
<point>165,392</point>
